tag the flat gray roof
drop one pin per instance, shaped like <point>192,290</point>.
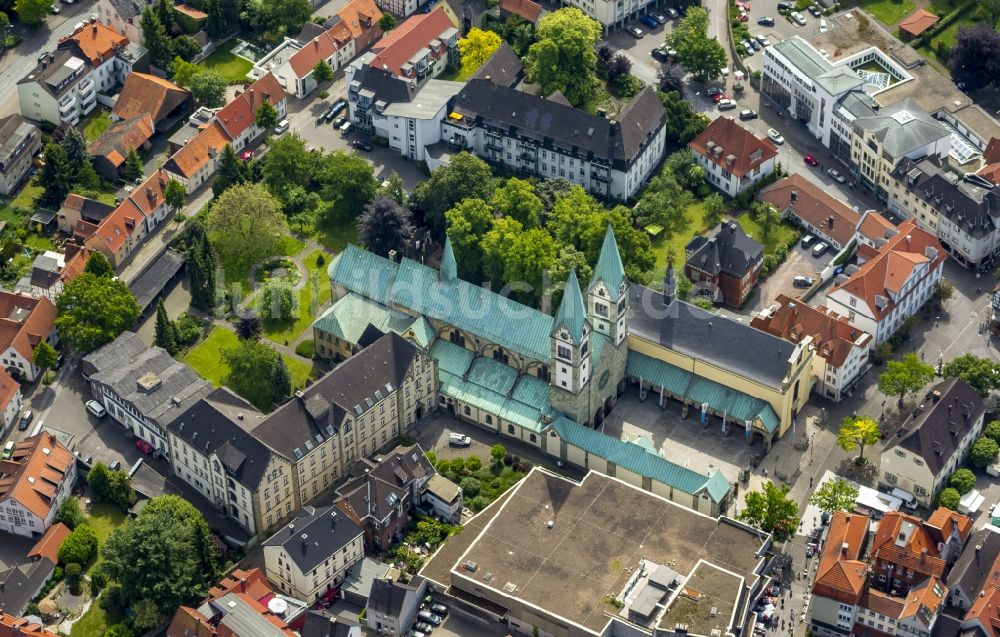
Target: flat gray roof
<point>705,602</point>
<point>427,102</point>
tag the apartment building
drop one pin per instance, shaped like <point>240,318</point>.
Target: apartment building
<point>25,321</point>
<point>212,449</point>
<point>310,556</point>
<point>724,267</point>
<point>422,47</point>
<point>351,412</point>
<point>123,16</point>
<point>33,484</point>
<point>892,285</point>
<point>733,157</point>
<point>933,440</point>
<point>63,86</point>
<point>20,141</point>
<point>10,401</point>
<point>818,212</point>
<point>119,234</point>
<point>842,350</point>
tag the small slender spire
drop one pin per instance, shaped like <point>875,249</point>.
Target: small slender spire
<point>571,312</point>
<point>449,268</point>
<point>669,282</point>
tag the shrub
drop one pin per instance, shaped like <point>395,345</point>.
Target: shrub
<point>470,487</point>
<point>323,95</point>
<point>984,452</point>
<point>79,546</point>
<point>71,514</point>
<point>57,573</point>
<point>457,465</point>
<point>962,481</point>
<point>306,349</point>
<point>431,457</point>
<point>508,460</point>
<point>473,464</point>
<point>992,430</point>
<point>949,499</point>
<point>277,301</point>
<point>189,328</point>
<point>497,453</point>
<point>478,503</point>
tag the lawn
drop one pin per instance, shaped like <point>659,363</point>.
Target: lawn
<point>288,246</point>
<point>105,518</point>
<point>96,123</point>
<point>232,67</point>
<point>206,358</point>
<point>947,37</point>
<point>888,12</point>
<point>95,622</point>
<point>335,237</point>
<point>287,331</point>
<point>781,233</point>
<point>662,246</point>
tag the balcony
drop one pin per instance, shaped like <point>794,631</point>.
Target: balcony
<point>604,177</point>
<point>85,85</point>
<point>494,146</point>
<point>67,104</point>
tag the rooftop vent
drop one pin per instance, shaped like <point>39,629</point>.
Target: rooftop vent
<point>148,382</point>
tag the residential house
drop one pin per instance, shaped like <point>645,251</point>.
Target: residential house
<point>350,413</point>
<point>379,495</point>
<point>933,440</point>
<point>817,211</point>
<point>906,550</point>
<point>13,626</point>
<point>20,141</point>
<point>970,573</point>
<point>76,208</point>
<point>48,546</point>
<point>503,68</point>
<point>126,346</point>
<point>310,555</point>
<point>123,16</point>
<point>421,47</point>
<point>892,285</point>
<point>392,607</point>
<point>726,266</point>
<point>63,87</point>
<point>874,231</point>
<point>609,158</point>
<point>111,149</point>
<point>958,210</point>
<point>144,94</point>
<point>915,24</point>
<point>238,118</point>
<point>349,32</point>
<point>443,498</point>
<point>196,161</point>
<point>524,9</point>
<point>212,449</point>
<point>10,401</point>
<point>122,232</point>
<point>34,483</point>
<point>24,323</point>
<point>842,350</point>
<point>733,157</point>
<point>320,623</point>
<point>51,271</point>
<point>240,606</point>
<point>21,583</point>
<point>146,391</point>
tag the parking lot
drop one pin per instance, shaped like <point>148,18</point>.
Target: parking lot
<point>800,262</point>
<point>640,50</point>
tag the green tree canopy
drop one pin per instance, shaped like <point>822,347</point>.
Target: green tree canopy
<point>246,224</point>
<point>516,199</point>
<point>165,330</point>
<point>466,176</point>
<point>79,546</point>
<point>70,513</point>
<point>385,225</point>
<point>468,223</point>
<point>697,53</point>
<point>983,374</point>
<point>93,310</point>
<point>277,301</point>
<point>209,88</point>
<point>387,22</point>
<point>266,117</point>
<point>992,430</point>
<point>949,498</point>
<point>251,365</point>
<point>155,39</point>
<point>288,163</point>
<point>984,452</point>
<point>476,47</point>
<point>495,246</point>
<point>348,184</point>
<point>904,376</point>
<point>45,356</point>
<point>323,72</point>
<point>857,432</point>
<point>962,481</point>
<point>835,495</point>
<point>56,176</point>
<point>563,57</point>
<point>529,256</point>
<point>32,12</point>
<point>771,510</point>
<point>98,265</point>
<point>133,165</point>
<point>174,194</point>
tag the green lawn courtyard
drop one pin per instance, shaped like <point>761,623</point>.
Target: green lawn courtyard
<point>95,123</point>
<point>888,12</point>
<point>675,243</point>
<point>312,296</point>
<point>95,622</point>
<point>780,234</point>
<point>206,358</point>
<point>230,66</point>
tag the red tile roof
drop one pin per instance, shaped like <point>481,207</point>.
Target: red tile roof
<point>253,582</point>
<point>733,147</point>
<point>116,229</point>
<point>917,22</point>
<point>352,25</point>
<point>42,462</point>
<point>986,609</point>
<point>992,153</point>
<point>190,12</point>
<point>96,41</point>
<point>241,113</point>
<point>188,622</point>
<point>943,522</point>
<point>24,322</point>
<point>889,270</point>
<point>9,388</point>
<point>399,45</point>
<point>149,195</point>
<point>833,336</point>
<point>883,603</point>
<point>196,153</point>
<point>525,8</point>
<point>991,172</point>
<point>147,94</point>
<point>928,596</point>
<point>903,540</point>
<point>814,205</point>
<point>876,227</point>
<point>841,574</point>
<point>84,229</point>
<point>312,52</point>
<point>48,545</point>
<point>76,259</point>
<point>14,626</point>
<point>121,137</point>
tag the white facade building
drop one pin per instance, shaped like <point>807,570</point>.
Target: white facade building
<point>38,477</point>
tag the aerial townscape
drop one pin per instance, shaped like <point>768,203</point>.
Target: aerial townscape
<point>499,318</point>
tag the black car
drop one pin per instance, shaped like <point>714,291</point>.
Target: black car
<point>785,6</point>
<point>330,114</point>
<point>659,54</point>
<point>26,419</point>
<point>712,91</point>
<point>765,21</point>
<point>815,10</point>
<point>338,106</point>
<point>361,145</point>
<point>337,123</point>
<point>748,114</point>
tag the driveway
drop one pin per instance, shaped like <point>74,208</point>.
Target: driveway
<point>800,262</point>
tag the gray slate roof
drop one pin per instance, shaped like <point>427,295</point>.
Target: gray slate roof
<point>729,251</point>
<point>21,583</point>
<point>320,623</point>
<point>113,354</point>
<point>713,338</point>
<point>55,73</point>
<point>383,84</point>
<point>314,535</point>
<point>840,79</point>
<point>148,286</point>
<point>973,565</point>
<point>968,203</point>
<point>936,432</point>
<point>388,597</point>
<point>902,127</point>
<point>15,132</point>
<point>375,487</point>
<point>239,617</point>
<point>503,68</point>
<point>803,56</point>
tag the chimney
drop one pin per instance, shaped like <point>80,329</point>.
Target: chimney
<point>795,196</point>
<point>243,584</point>
<point>94,29</point>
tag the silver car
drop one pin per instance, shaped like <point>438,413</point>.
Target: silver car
<point>798,18</point>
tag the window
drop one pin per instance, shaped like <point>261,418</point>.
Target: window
<point>564,352</point>
<point>601,309</point>
<point>510,429</point>
<point>890,477</point>
<point>489,419</point>
<point>466,410</point>
<point>533,438</point>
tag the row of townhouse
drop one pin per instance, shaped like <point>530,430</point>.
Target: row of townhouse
<point>121,233</point>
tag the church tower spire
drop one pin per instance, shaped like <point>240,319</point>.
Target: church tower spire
<point>570,339</point>
<point>449,268</point>
<point>607,294</point>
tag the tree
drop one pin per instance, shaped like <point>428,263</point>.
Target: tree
<point>246,224</point>
<point>497,453</point>
<point>215,25</point>
<point>251,365</point>
<point>975,57</point>
<point>385,225</point>
<point>949,498</point>
<point>943,290</point>
<point>563,57</point>
<point>387,22</point>
<point>185,71</point>
<point>166,330</point>
<point>288,163</point>
<point>982,374</point>
<point>322,72</point>
<point>857,432</point>
<point>277,301</point>
<point>683,123</point>
<point>275,19</point>
<point>201,271</point>
<point>32,12</point>
<point>835,495</point>
<point>495,245</point>
<point>532,253</point>
<point>230,171</point>
<point>476,47</point>
<point>174,194</point>
<point>99,479</point>
<point>992,430</point>
<point>56,176</point>
<point>209,88</point>
<point>165,555</point>
<point>670,77</point>
<point>988,11</point>
<point>904,376</point>
<point>771,511</point>
<point>516,199</point>
<point>266,117</point>
<point>73,571</point>
<point>470,487</point>
<point>468,223</point>
<point>185,47</point>
<point>768,220</point>
<point>281,379</point>
<point>466,176</point>
<point>473,463</point>
<point>98,265</point>
<point>155,39</point>
<point>984,452</point>
<point>147,615</point>
<point>249,328</point>
<point>393,188</point>
<point>714,206</point>
<point>44,357</point>
<point>70,513</point>
<point>568,258</point>
<point>618,66</point>
<point>94,310</point>
<point>79,546</point>
<point>702,56</point>
<point>348,184</point>
<point>165,12</point>
<point>119,630</point>
<point>962,481</point>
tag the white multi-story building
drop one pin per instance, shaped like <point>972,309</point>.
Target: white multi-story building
<point>33,484</point>
<point>19,142</point>
<point>25,321</point>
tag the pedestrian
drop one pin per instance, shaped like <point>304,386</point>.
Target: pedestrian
<point>810,482</point>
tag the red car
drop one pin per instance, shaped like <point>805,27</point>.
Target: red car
<point>144,446</point>
<point>744,17</point>
<point>812,161</point>
<point>246,155</point>
<point>718,97</point>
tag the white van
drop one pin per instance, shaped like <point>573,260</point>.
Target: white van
<point>908,498</point>
<point>822,26</point>
<point>96,409</point>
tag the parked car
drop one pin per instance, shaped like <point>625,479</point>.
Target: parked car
<point>836,176</point>
<point>635,32</point>
<point>281,127</point>
<point>659,17</point>
<point>822,26</point>
<point>819,249</point>
<point>712,91</point>
<point>762,40</point>
<point>8,451</point>
<point>54,10</point>
<point>429,617</point>
<point>727,105</point>
<point>25,420</point>
<point>649,21</point>
<point>798,18</point>
<point>115,466</point>
<point>346,127</point>
<point>747,47</point>
<point>459,440</point>
<point>803,282</point>
<point>144,446</point>
<point>423,627</point>
<point>659,54</point>
<point>330,114</point>
<point>246,155</point>
<point>785,7</point>
<point>96,409</point>
<point>755,44</point>
<point>672,12</point>
<point>362,145</point>
<point>765,21</point>
<point>807,240</point>
<point>815,10</point>
<point>718,97</point>
<point>748,114</point>
<point>426,8</point>
<point>775,136</point>
<point>440,609</point>
<point>337,123</point>
<point>744,17</point>
<point>338,106</point>
<point>812,161</point>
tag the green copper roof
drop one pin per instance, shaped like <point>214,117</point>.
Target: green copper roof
<point>449,268</point>
<point>423,331</point>
<point>609,265</point>
<point>352,314</point>
<point>472,393</point>
<point>451,358</point>
<point>571,312</point>
<point>493,374</point>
